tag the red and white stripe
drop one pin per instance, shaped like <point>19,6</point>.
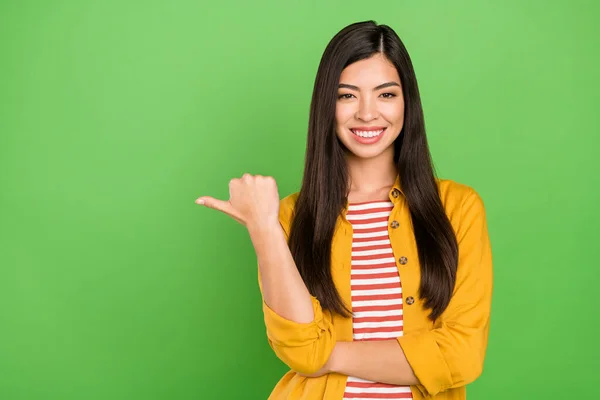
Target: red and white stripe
<point>376,292</point>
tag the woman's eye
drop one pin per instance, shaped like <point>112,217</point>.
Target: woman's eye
<point>345,96</point>
<point>388,95</point>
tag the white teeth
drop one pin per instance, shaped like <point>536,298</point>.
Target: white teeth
<point>367,134</point>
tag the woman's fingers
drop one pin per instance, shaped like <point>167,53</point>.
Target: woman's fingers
<point>220,205</point>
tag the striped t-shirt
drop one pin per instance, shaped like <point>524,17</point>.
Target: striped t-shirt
<point>376,291</point>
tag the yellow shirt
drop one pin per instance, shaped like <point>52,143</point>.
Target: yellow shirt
<point>445,355</point>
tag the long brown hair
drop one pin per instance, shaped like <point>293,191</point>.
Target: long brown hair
<point>323,194</point>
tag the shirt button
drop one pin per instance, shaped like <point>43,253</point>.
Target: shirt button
<point>403,260</point>
<point>410,300</point>
<point>395,193</point>
<point>395,224</point>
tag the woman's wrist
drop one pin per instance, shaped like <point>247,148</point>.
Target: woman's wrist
<point>334,362</point>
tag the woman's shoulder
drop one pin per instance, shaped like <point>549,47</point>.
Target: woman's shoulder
<point>454,190</point>
<point>287,204</point>
<point>459,198</point>
<point>289,201</point>
<point>286,210</point>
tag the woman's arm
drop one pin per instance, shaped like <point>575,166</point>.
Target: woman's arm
<point>254,202</point>
<point>376,360</point>
<point>283,289</point>
<point>297,329</point>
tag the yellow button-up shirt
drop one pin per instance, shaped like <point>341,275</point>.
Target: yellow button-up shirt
<point>445,355</point>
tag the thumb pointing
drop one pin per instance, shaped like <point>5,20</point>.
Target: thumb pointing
<point>216,204</point>
<point>219,205</point>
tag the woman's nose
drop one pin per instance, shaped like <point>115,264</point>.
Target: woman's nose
<point>367,110</point>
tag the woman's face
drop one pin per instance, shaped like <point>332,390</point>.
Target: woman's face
<point>370,106</point>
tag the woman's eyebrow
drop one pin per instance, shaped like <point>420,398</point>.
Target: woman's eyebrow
<point>382,86</point>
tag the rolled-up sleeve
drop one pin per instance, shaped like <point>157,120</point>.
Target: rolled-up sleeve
<point>452,355</point>
<point>304,347</point>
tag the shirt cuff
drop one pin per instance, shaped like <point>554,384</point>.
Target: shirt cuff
<point>286,333</point>
<point>428,364</point>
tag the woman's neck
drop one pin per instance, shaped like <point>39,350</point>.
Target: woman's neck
<point>371,179</point>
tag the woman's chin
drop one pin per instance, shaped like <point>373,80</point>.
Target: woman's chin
<point>369,152</point>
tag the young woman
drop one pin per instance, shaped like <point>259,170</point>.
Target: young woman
<point>376,276</point>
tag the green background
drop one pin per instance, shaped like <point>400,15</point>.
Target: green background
<point>116,115</point>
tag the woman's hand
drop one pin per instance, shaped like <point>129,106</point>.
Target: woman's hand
<point>253,201</point>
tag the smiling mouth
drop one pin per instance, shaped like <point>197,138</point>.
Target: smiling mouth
<point>367,133</point>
